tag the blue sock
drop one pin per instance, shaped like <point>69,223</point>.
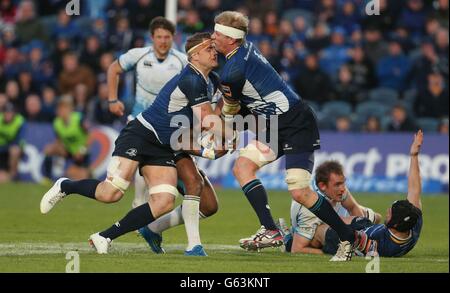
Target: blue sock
<point>85,187</point>
<point>324,211</point>
<point>135,219</point>
<point>257,196</point>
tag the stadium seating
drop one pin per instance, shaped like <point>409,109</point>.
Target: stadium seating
<point>428,124</point>
<point>385,96</point>
<point>370,108</point>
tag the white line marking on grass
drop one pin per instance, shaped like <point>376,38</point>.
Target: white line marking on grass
<point>39,248</point>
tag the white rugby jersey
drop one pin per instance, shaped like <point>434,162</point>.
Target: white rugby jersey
<point>151,75</point>
<point>304,222</point>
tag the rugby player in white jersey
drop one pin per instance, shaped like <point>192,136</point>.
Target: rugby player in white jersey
<point>329,182</point>
<point>154,66</point>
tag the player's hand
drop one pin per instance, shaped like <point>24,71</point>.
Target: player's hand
<point>117,108</point>
<point>418,140</point>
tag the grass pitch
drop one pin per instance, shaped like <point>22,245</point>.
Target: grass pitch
<point>31,242</point>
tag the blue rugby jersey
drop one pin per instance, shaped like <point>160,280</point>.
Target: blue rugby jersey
<point>248,77</point>
<point>186,90</point>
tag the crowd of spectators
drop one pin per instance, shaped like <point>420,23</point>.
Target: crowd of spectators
<point>386,72</point>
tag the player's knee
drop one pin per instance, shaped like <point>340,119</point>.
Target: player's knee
<point>161,204</point>
<point>209,209</point>
<point>108,195</point>
<point>298,179</point>
<point>162,199</point>
<point>244,166</point>
<point>114,177</point>
<point>194,185</point>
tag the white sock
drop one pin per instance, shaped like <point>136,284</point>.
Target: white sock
<point>169,220</point>
<point>141,194</point>
<point>190,212</point>
<point>172,219</point>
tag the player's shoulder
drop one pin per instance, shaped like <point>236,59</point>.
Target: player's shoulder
<point>140,51</point>
<point>214,76</point>
<point>190,78</point>
<point>178,55</point>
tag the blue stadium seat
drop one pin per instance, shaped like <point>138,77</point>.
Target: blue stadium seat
<point>371,108</point>
<point>428,124</point>
<point>385,96</point>
<point>410,96</point>
<point>336,109</point>
<point>291,14</point>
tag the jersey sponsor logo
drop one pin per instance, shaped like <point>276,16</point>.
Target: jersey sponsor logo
<point>261,57</point>
<point>171,163</point>
<point>131,152</point>
<point>201,98</point>
<point>287,147</point>
<point>148,63</point>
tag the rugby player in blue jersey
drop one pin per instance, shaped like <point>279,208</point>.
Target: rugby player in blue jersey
<point>149,143</point>
<point>249,80</point>
<point>154,66</point>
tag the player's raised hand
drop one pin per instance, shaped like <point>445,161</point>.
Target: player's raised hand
<point>117,108</point>
<point>417,143</point>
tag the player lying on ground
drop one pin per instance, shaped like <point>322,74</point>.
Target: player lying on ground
<point>401,230</point>
<point>329,182</point>
<point>248,79</point>
<point>146,143</point>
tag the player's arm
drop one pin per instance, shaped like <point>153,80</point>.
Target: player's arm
<point>352,206</point>
<point>303,245</point>
<point>211,122</point>
<point>414,180</point>
<point>115,106</point>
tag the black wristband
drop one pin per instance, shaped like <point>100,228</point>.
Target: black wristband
<point>113,101</point>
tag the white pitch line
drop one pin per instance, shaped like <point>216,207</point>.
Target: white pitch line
<point>40,248</point>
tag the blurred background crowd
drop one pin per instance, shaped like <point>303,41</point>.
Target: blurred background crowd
<point>360,73</point>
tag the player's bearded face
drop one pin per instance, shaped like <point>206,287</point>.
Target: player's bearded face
<point>162,41</point>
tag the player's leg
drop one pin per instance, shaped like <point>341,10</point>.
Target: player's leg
<point>140,191</point>
<point>120,173</point>
<point>54,149</point>
<point>4,168</point>
<point>302,140</point>
<point>251,159</point>
<point>209,202</point>
<point>162,198</point>
<point>208,207</point>
<point>187,213</point>
<point>14,156</point>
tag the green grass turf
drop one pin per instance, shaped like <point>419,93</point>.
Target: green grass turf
<point>31,242</point>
